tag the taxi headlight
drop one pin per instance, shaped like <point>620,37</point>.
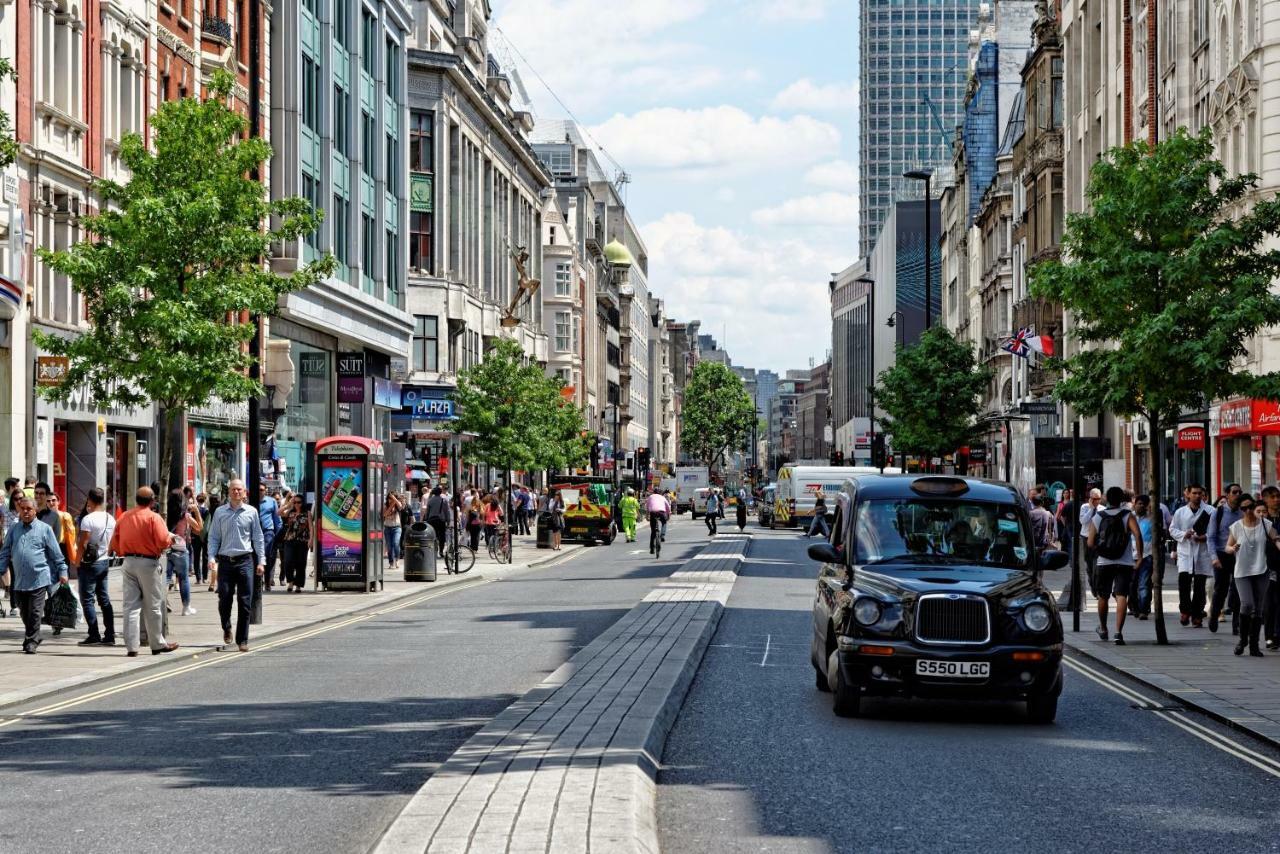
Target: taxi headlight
<point>867,611</point>
<point>1037,617</point>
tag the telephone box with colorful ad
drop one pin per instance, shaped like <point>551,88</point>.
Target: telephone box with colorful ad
<point>349,472</point>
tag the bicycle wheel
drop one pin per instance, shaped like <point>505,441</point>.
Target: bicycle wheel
<point>460,560</point>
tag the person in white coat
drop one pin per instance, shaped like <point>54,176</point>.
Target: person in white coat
<point>1195,564</point>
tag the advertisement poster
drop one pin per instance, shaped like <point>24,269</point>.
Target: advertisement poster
<point>341,498</point>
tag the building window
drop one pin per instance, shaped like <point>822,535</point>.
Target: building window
<point>562,332</point>
<point>564,283</point>
<point>341,121</point>
<point>311,192</point>
<point>342,23</point>
<point>393,71</point>
<point>420,255</point>
<point>421,142</point>
<point>426,342</point>
<point>368,42</point>
<point>311,94</point>
<point>559,160</point>
<point>368,142</point>
<point>368,249</point>
<point>394,280</point>
<point>341,237</point>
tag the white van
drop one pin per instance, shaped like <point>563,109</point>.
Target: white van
<point>798,488</point>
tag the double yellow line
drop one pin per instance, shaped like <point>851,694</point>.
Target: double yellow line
<point>1216,739</point>
<point>196,664</point>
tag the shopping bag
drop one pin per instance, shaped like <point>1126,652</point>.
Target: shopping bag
<point>62,610</point>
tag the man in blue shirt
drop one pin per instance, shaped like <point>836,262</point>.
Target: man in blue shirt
<point>269,513</point>
<point>235,545</point>
<point>1224,564</point>
<point>33,549</point>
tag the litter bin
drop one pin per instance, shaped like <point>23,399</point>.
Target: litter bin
<point>420,553</point>
<point>544,530</point>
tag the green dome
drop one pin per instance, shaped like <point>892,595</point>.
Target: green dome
<point>618,255</point>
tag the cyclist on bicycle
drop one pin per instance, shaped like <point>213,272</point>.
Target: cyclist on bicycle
<point>659,510</point>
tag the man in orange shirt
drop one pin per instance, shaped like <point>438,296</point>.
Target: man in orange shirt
<point>140,538</point>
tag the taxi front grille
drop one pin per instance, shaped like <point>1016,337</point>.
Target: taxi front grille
<point>945,618</point>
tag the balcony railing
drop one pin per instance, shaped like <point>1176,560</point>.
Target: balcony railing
<point>1044,316</point>
<point>218,29</point>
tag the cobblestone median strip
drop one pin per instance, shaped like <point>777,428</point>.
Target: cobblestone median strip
<point>572,765</point>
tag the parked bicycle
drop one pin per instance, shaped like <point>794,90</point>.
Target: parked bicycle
<point>458,556</point>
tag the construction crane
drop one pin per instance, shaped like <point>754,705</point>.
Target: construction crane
<point>945,140</point>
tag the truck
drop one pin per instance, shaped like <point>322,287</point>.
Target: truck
<point>798,486</point>
<point>689,479</point>
<point>588,508</point>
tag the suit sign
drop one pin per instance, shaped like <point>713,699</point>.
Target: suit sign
<point>351,377</point>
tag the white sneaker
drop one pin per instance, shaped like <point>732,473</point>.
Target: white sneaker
<point>189,611</point>
<point>13,612</point>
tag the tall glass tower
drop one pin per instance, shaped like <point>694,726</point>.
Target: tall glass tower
<point>913,59</point>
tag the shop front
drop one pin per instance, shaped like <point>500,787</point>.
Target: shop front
<point>216,446</point>
<point>1247,446</point>
<point>303,408</point>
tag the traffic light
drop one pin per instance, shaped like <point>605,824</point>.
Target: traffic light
<point>642,458</point>
<point>879,455</point>
<point>837,458</point>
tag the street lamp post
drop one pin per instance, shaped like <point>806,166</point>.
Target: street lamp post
<point>896,320</point>
<point>926,175</point>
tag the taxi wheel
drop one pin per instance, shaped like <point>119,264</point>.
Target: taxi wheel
<point>1042,708</point>
<point>846,700</point>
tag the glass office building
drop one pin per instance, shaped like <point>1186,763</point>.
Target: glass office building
<point>913,60</point>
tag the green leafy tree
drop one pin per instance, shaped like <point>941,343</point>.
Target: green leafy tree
<point>176,252</point>
<point>718,413</point>
<point>932,395</point>
<point>1167,278</point>
<point>517,415</point>
<point>8,145</point>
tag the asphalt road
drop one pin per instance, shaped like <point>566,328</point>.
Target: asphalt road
<point>758,762</point>
<point>313,746</point>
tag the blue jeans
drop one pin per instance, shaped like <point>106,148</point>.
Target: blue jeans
<point>392,536</point>
<point>1141,591</point>
<point>93,589</point>
<point>820,521</point>
<point>180,565</point>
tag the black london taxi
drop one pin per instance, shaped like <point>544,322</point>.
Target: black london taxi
<point>930,587</point>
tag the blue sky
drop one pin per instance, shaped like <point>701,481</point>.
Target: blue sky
<point>737,122</point>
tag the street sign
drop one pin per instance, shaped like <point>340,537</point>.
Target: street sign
<point>51,370</point>
<point>1038,407</point>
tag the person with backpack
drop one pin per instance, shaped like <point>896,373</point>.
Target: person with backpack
<point>1115,537</point>
<point>1224,562</point>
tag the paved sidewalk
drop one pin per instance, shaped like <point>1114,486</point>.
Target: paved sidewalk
<point>62,664</point>
<point>571,766</point>
<point>1196,668</point>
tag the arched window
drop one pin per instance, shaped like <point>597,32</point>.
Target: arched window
<point>1238,49</point>
<point>1224,47</point>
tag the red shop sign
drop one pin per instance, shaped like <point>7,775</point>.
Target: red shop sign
<point>1191,438</point>
<point>1239,417</point>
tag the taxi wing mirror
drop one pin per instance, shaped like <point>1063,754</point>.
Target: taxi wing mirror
<point>1053,559</point>
<point>825,553</point>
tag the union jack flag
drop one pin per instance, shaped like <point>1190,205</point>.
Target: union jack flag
<point>1025,342</point>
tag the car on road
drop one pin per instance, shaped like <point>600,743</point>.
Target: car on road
<point>930,587</point>
<point>764,506</point>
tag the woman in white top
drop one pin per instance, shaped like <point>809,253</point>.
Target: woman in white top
<point>1248,542</point>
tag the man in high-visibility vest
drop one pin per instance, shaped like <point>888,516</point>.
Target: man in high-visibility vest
<point>629,509</point>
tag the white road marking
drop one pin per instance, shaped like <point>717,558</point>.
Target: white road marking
<point>1178,719</point>
<point>767,641</point>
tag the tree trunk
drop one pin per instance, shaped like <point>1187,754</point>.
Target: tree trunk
<point>173,452</point>
<point>1157,540</point>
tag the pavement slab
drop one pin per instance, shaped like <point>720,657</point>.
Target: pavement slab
<point>571,765</point>
<point>1197,668</point>
<point>61,664</point>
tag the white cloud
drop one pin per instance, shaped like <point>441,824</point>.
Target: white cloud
<point>825,210</point>
<point>806,96</point>
<point>794,10</point>
<point>593,51</point>
<point>715,140</point>
<point>834,175</point>
<point>765,292</point>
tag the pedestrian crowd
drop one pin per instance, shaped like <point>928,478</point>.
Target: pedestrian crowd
<point>1227,555</point>
<point>163,543</point>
